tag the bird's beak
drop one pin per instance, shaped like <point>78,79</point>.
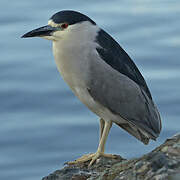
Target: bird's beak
<point>40,32</point>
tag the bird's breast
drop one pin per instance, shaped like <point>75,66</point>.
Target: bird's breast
<point>73,64</point>
<point>76,67</point>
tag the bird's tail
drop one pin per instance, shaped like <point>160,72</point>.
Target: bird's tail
<point>145,132</point>
<point>136,132</point>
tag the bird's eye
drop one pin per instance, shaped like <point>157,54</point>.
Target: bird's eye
<point>64,25</point>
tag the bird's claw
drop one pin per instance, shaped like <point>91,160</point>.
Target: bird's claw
<point>93,157</point>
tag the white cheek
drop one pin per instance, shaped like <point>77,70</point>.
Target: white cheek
<point>58,34</point>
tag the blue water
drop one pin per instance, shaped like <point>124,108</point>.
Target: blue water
<point>42,124</point>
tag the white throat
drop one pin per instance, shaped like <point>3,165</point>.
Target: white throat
<point>73,51</point>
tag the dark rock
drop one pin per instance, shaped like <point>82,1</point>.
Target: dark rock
<point>160,164</point>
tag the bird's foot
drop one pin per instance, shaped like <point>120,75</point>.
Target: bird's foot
<point>91,157</point>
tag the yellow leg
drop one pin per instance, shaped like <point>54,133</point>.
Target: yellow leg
<point>105,127</point>
<point>101,128</point>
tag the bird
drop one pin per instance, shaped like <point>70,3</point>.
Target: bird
<point>103,76</point>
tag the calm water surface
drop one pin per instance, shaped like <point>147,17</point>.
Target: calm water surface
<point>42,124</point>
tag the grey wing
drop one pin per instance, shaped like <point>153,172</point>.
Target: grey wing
<point>112,53</point>
<point>124,96</point>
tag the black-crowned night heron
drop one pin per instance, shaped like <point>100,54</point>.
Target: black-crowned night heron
<point>103,76</point>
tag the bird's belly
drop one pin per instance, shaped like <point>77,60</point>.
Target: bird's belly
<point>78,84</point>
<point>97,108</point>
<point>85,98</point>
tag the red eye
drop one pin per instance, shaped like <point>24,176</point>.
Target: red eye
<point>64,26</point>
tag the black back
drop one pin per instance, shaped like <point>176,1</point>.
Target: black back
<point>112,53</point>
<point>70,17</point>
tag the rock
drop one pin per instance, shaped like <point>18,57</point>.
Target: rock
<point>163,163</point>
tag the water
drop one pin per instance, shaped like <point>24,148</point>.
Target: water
<point>42,124</point>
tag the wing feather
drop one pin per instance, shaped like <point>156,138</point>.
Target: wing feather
<point>113,54</point>
<point>117,84</point>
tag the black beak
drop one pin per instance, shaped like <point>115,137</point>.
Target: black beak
<point>42,31</point>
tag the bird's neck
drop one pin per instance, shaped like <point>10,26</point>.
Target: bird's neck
<point>72,54</point>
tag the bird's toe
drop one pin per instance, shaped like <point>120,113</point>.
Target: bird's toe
<point>91,157</point>
<point>82,159</point>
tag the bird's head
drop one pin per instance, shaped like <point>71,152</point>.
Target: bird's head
<point>62,24</point>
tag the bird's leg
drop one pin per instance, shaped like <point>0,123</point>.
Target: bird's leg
<point>101,128</point>
<point>104,131</point>
<point>106,126</point>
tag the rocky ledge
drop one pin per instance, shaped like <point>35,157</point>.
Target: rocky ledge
<point>163,163</point>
